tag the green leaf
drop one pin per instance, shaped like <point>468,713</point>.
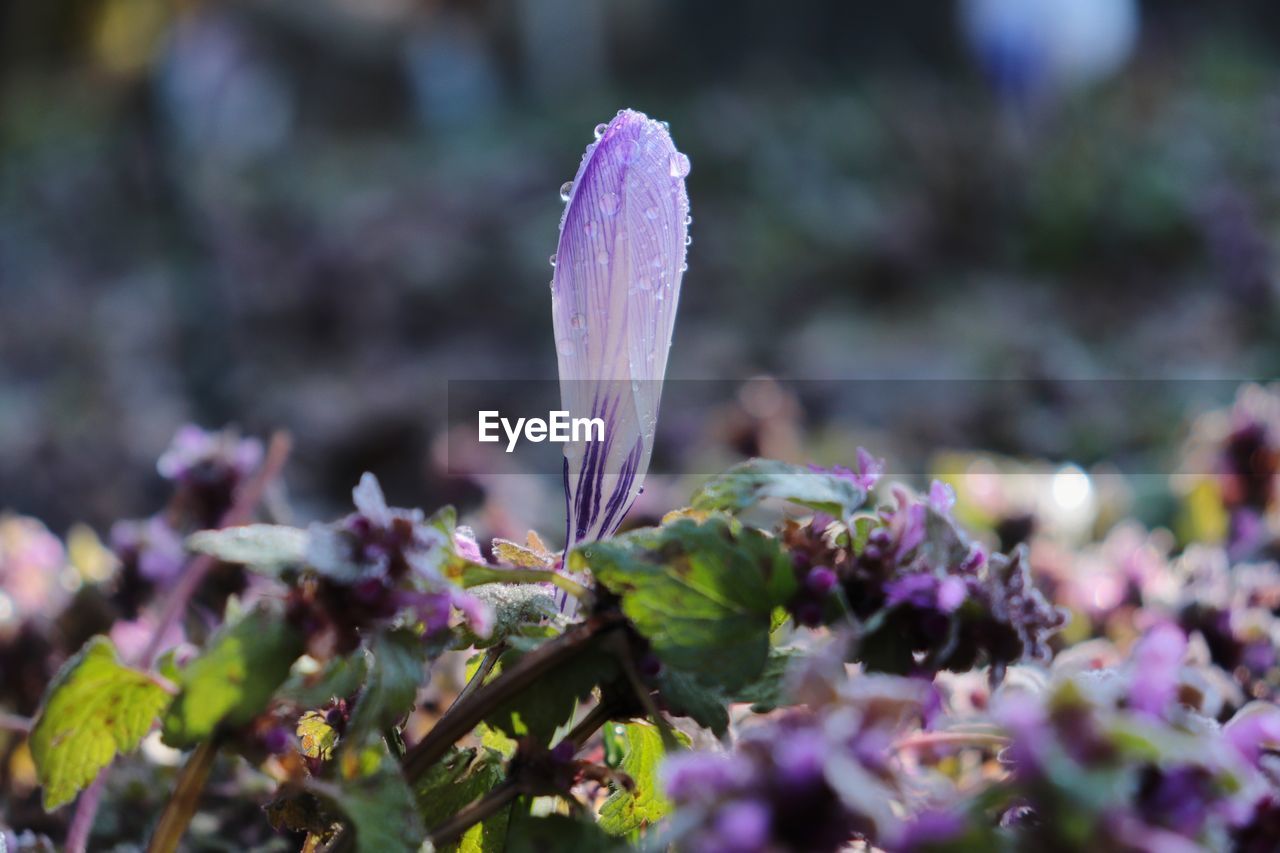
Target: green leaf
<point>626,812</point>
<point>702,594</point>
<point>756,480</point>
<point>337,679</point>
<point>317,738</point>
<point>234,677</point>
<point>549,703</point>
<point>266,548</point>
<point>395,673</point>
<point>685,697</point>
<point>461,778</point>
<point>556,834</point>
<point>95,709</point>
<point>766,693</point>
<point>380,808</point>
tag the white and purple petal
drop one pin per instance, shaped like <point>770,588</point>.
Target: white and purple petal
<point>619,263</point>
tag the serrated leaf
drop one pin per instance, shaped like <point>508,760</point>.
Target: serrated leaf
<point>756,480</point>
<point>380,808</point>
<point>317,738</point>
<point>626,812</point>
<point>266,548</point>
<point>523,556</point>
<point>702,594</point>
<point>94,709</point>
<point>232,680</point>
<point>395,673</point>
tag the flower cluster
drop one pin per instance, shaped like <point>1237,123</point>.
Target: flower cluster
<point>205,468</point>
<point>808,780</point>
<point>925,596</point>
<point>1122,758</point>
<point>377,564</point>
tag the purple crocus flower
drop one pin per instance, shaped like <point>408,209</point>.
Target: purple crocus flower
<point>617,283</point>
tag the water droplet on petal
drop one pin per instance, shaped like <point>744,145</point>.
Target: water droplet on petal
<point>688,220</point>
<point>688,241</point>
<point>684,267</point>
<point>552,260</point>
<point>600,129</point>
<point>565,346</point>
<point>578,321</point>
<point>651,212</point>
<point>566,190</point>
<point>609,203</point>
<point>678,165</point>
<point>602,257</point>
<point>666,125</point>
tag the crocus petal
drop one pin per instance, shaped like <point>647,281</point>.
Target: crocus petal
<point>617,282</point>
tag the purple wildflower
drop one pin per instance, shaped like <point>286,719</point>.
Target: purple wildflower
<point>619,262</point>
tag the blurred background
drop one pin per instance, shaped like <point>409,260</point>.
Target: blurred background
<point>313,215</point>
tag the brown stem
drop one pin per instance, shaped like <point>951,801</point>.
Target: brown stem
<point>927,740</point>
<point>184,799</point>
<point>502,795</point>
<point>466,714</point>
<point>246,500</point>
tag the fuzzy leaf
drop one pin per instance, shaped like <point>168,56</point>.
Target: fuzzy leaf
<point>95,709</point>
<point>756,480</point>
<point>266,548</point>
<point>233,678</point>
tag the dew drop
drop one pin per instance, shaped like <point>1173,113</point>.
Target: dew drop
<point>678,165</point>
<point>566,190</point>
<point>688,220</point>
<point>602,257</point>
<point>578,321</point>
<point>684,267</point>
<point>600,129</point>
<point>651,212</point>
<point>552,260</point>
<point>609,203</point>
<point>688,241</point>
<point>666,125</point>
<point>565,346</point>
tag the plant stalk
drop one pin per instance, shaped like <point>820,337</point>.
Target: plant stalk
<point>184,800</point>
